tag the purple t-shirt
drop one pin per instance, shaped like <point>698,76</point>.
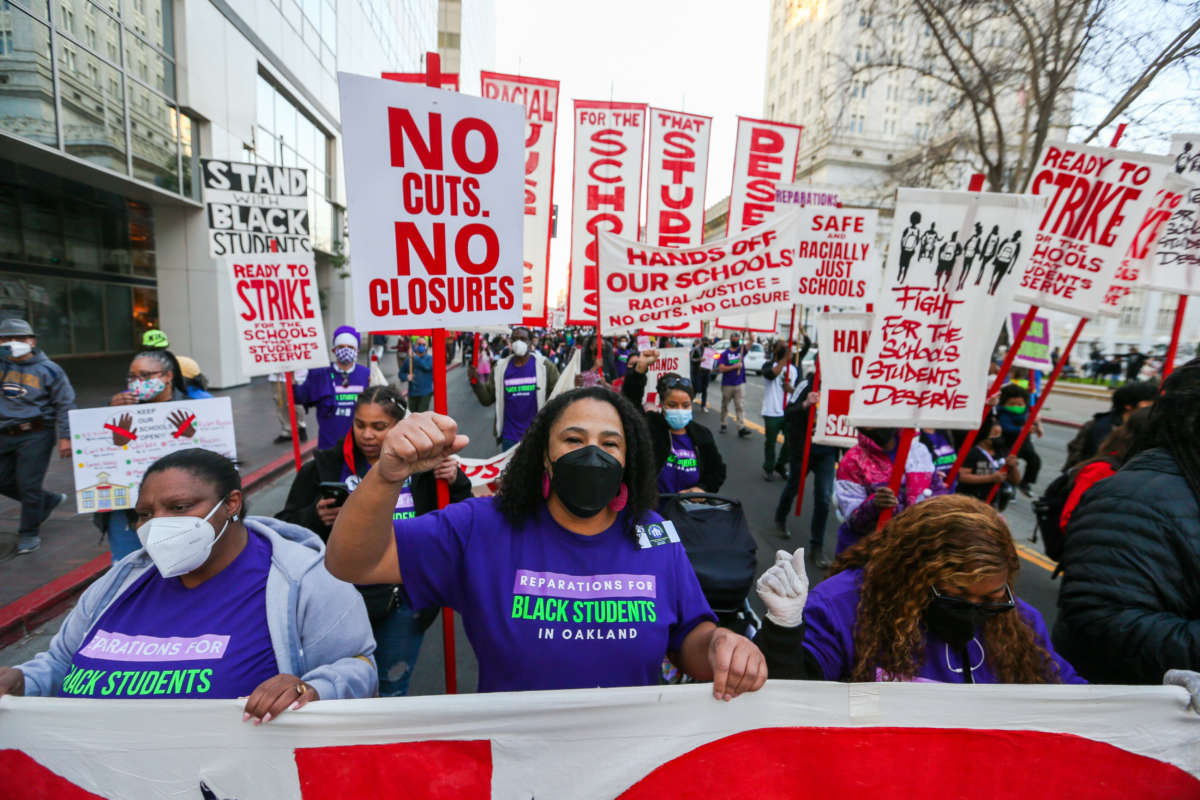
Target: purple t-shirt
<point>162,640</point>
<point>621,361</point>
<point>520,399</point>
<point>681,470</point>
<point>735,377</point>
<point>829,619</point>
<point>943,452</point>
<point>545,608</point>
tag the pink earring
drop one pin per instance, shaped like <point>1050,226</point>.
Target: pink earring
<point>545,485</point>
<point>621,499</point>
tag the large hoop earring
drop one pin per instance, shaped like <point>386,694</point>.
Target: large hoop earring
<point>618,502</point>
<point>545,485</point>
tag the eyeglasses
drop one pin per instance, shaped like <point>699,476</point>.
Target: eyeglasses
<point>677,382</point>
<point>992,609</point>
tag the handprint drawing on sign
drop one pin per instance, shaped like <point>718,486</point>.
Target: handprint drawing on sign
<point>122,430</point>
<point>184,422</point>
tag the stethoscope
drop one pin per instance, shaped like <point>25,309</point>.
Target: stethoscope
<point>966,658</point>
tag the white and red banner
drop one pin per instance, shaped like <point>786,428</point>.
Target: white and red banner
<point>879,740</point>
<point>644,285</point>
<point>1097,200</point>
<point>434,182</point>
<point>843,341</point>
<point>837,262</point>
<point>670,359</point>
<point>539,98</point>
<point>940,311</point>
<point>277,313</point>
<point>1175,264</point>
<point>606,194</point>
<point>764,160</point>
<point>1129,274</point>
<point>675,183</point>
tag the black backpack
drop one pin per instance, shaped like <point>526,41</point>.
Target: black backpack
<point>767,370</point>
<point>1048,509</point>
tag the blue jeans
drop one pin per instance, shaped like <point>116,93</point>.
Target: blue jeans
<point>822,461</point>
<point>397,644</point>
<point>122,539</point>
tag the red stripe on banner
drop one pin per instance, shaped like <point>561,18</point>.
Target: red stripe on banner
<point>130,435</point>
<point>22,778</point>
<point>458,770</point>
<point>901,763</point>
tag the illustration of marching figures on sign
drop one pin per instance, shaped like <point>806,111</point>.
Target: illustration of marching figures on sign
<point>948,254</point>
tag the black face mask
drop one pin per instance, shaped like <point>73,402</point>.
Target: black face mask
<point>955,621</point>
<point>997,442</point>
<point>586,480</point>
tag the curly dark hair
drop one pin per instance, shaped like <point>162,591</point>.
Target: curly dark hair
<point>520,493</point>
<point>947,539</point>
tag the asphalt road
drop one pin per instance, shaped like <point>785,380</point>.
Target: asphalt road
<point>745,482</point>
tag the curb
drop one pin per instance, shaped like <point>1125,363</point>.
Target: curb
<point>20,617</point>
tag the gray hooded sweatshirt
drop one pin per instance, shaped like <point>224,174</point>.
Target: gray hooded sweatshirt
<point>318,624</point>
<point>35,389</point>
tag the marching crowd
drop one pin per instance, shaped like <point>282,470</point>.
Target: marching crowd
<point>568,576</point>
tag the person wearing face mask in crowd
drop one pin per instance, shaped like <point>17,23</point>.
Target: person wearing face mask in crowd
<point>984,466</point>
<point>215,605</point>
<point>335,389</point>
<point>35,396</point>
<point>861,484</point>
<point>525,380</point>
<point>1012,412</point>
<point>685,453</point>
<point>418,367</point>
<point>566,578</point>
<point>732,367</point>
<point>398,627</point>
<point>621,356</point>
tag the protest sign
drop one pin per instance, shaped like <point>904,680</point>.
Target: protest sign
<point>607,192</point>
<point>1129,275</point>
<point>434,182</point>
<point>1035,350</point>
<point>804,195</point>
<point>934,326</point>
<point>277,314</point>
<point>670,359</point>
<point>656,741</point>
<point>539,98</point>
<point>764,160</point>
<point>255,208</point>
<point>113,446</point>
<point>837,262</point>
<point>676,180</point>
<point>1175,264</point>
<point>843,341</point>
<point>646,285</point>
<point>1098,198</point>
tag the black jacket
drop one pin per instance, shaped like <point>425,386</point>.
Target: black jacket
<point>326,465</point>
<point>1093,433</point>
<point>1129,607</point>
<point>708,457</point>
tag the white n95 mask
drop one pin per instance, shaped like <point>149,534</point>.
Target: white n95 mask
<point>519,348</point>
<point>179,545</point>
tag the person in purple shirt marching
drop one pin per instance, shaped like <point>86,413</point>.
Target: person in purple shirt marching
<point>685,452</point>
<point>519,385</point>
<point>566,578</point>
<point>335,389</point>
<point>928,598</point>
<point>732,366</point>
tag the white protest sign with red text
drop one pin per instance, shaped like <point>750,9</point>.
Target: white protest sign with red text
<point>607,192</point>
<point>837,262</point>
<point>939,313</point>
<point>843,341</point>
<point>1129,274</point>
<point>646,285</point>
<point>670,359</point>
<point>1098,198</point>
<point>277,314</point>
<point>675,181</point>
<point>435,183</point>
<point>764,159</point>
<point>539,98</point>
<point>1175,265</point>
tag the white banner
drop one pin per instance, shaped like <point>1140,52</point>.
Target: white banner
<point>646,285</point>
<point>842,339</point>
<point>277,312</point>
<point>606,195</point>
<point>764,161</point>
<point>878,740</point>
<point>1130,274</point>
<point>676,181</point>
<point>1098,198</point>
<point>837,262</point>
<point>670,359</point>
<point>539,98</point>
<point>255,209</point>
<point>434,186</point>
<point>931,341</point>
<point>1175,264</point>
<point>804,195</point>
<point>112,447</point>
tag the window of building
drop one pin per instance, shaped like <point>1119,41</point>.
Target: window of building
<point>6,43</point>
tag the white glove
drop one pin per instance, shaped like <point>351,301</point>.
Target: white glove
<point>784,589</point>
<point>1188,680</point>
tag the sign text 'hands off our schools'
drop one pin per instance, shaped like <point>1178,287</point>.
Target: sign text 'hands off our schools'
<point>435,182</point>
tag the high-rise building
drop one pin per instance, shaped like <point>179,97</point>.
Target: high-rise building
<point>467,39</point>
<point>106,107</point>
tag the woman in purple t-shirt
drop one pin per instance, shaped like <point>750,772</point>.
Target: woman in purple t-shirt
<point>566,578</point>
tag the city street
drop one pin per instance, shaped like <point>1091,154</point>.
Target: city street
<point>745,482</point>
